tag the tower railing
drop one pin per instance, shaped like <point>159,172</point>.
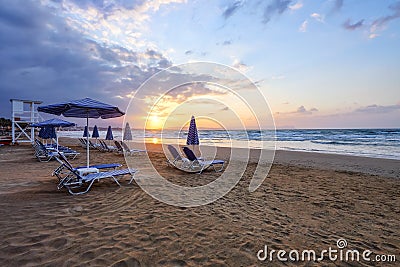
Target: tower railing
<point>24,113</point>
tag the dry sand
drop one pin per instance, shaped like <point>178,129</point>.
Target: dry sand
<point>308,201</point>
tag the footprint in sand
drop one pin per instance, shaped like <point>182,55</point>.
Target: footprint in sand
<point>131,262</point>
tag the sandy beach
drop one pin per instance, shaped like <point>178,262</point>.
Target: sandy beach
<point>307,201</point>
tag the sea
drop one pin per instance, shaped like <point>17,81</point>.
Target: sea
<point>375,143</point>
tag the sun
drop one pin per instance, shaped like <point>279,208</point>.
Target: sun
<point>154,122</point>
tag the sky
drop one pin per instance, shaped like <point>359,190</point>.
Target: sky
<point>318,64</point>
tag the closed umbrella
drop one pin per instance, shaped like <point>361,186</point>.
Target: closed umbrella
<point>127,133</point>
<point>86,132</point>
<point>193,136</point>
<point>95,133</point>
<point>83,108</point>
<point>109,135</point>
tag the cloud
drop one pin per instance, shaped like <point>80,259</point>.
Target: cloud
<point>45,58</point>
<point>237,64</point>
<point>353,26</point>
<point>224,43</point>
<point>296,6</point>
<point>231,9</point>
<point>318,17</point>
<point>303,26</point>
<point>277,7</point>
<point>299,111</point>
<point>378,109</point>
<point>337,6</point>
<point>303,110</point>
<point>381,23</point>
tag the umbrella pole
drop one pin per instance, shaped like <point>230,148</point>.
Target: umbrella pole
<point>87,140</point>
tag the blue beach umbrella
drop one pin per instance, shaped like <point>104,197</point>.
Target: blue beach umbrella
<point>41,132</point>
<point>109,135</point>
<point>83,108</point>
<point>54,123</point>
<point>127,133</point>
<point>86,132</point>
<point>192,137</point>
<point>95,133</point>
<point>48,130</point>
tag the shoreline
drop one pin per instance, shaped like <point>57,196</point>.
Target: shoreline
<point>325,161</point>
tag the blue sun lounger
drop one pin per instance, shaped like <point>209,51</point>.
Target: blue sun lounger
<point>199,165</point>
<point>78,184</point>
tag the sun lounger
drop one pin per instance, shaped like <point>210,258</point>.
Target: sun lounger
<point>63,173</point>
<point>75,183</point>
<point>199,164</point>
<point>107,148</point>
<point>178,161</point>
<point>130,151</point>
<point>83,142</point>
<point>43,154</point>
<point>120,149</point>
<point>40,151</point>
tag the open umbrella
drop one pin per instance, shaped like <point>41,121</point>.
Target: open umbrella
<point>86,132</point>
<point>109,135</point>
<point>127,133</point>
<point>95,133</point>
<point>83,108</point>
<point>47,129</point>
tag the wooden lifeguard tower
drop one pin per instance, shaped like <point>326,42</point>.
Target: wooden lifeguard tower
<point>24,113</point>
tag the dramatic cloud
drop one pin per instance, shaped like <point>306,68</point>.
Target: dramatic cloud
<point>44,58</point>
<point>353,26</point>
<point>230,10</point>
<point>276,7</point>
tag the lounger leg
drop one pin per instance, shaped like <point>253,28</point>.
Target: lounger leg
<point>115,180</point>
<point>81,192</point>
<point>132,178</point>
